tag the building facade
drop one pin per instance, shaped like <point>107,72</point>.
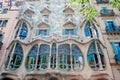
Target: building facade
<point>8,15</point>
<point>53,41</point>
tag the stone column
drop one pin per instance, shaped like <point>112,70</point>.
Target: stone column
<point>36,63</point>
<point>71,57</point>
<point>57,57</point>
<point>98,56</point>
<point>49,59</point>
<point>11,56</point>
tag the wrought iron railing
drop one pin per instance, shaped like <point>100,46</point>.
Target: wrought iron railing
<point>107,12</point>
<point>115,29</point>
<point>102,1</point>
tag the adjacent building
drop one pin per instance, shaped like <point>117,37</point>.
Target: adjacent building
<point>51,40</point>
<point>8,15</point>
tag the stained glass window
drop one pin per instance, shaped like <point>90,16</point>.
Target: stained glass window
<point>93,56</point>
<point>23,31</point>
<point>64,56</point>
<point>90,30</point>
<point>17,57</point>
<point>77,57</point>
<point>43,57</point>
<point>31,58</point>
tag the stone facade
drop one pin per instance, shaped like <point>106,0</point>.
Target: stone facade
<point>53,41</point>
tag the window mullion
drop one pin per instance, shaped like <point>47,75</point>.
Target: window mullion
<point>71,60</point>
<point>36,63</point>
<point>98,56</point>
<point>11,56</point>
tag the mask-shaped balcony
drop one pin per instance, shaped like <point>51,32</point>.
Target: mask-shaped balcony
<point>102,1</point>
<point>107,12</point>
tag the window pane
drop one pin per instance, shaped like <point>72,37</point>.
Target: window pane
<point>23,31</point>
<point>93,56</point>
<point>17,57</point>
<point>31,58</point>
<point>64,56</point>
<point>90,30</point>
<point>77,58</point>
<point>69,31</point>
<point>43,57</point>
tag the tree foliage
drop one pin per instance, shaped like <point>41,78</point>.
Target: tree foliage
<point>87,10</point>
<point>115,3</point>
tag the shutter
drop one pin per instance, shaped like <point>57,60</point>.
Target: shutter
<point>107,27</point>
<point>115,28</point>
<point>115,49</point>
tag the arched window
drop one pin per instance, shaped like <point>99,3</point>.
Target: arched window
<point>64,56</point>
<point>31,58</point>
<point>17,56</point>
<point>95,56</point>
<point>53,56</point>
<point>22,31</point>
<point>90,30</point>
<point>77,58</point>
<point>43,57</point>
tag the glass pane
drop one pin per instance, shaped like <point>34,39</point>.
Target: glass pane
<point>23,31</point>
<point>90,30</point>
<point>93,56</point>
<point>43,57</point>
<point>77,58</point>
<point>31,58</point>
<point>17,57</point>
<point>64,56</point>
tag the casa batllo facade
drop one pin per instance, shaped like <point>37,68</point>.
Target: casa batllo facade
<point>53,41</point>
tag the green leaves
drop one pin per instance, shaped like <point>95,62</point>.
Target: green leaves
<point>115,3</point>
<point>90,12</point>
<point>78,2</point>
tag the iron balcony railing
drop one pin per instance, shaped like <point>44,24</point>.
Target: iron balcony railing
<point>102,1</point>
<point>115,29</point>
<point>107,12</point>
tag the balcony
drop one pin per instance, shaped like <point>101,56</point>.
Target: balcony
<point>107,12</point>
<point>102,1</point>
<point>1,44</point>
<point>115,29</point>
